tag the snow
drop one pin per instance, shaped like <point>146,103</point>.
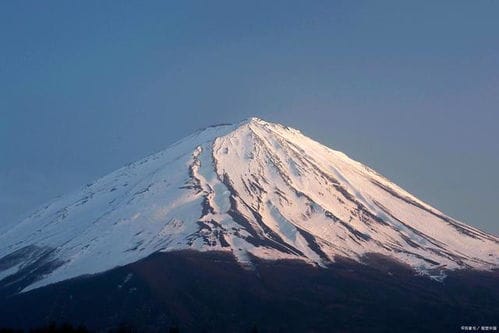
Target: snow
<point>254,188</point>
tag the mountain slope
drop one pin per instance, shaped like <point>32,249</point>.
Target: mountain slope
<point>254,189</point>
<point>210,292</point>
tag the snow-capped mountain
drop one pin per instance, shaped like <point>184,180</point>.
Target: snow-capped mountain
<point>254,189</point>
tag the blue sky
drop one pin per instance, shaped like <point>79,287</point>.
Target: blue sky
<point>410,89</point>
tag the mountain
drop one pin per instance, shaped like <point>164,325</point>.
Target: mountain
<point>251,189</point>
<point>254,195</point>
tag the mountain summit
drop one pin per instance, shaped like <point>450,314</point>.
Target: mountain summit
<point>254,189</point>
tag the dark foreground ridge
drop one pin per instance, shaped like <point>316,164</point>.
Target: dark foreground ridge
<point>211,292</point>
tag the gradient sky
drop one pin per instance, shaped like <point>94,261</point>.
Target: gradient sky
<point>410,89</point>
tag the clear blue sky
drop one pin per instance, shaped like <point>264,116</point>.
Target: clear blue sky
<point>409,88</point>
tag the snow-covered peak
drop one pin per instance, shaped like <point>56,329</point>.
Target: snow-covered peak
<point>254,120</point>
<point>252,189</point>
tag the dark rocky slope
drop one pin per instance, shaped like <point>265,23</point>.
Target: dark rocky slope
<point>211,292</point>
